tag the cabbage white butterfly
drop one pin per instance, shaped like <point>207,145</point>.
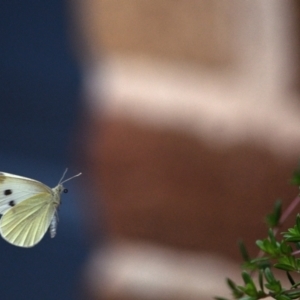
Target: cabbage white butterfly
<point>28,208</point>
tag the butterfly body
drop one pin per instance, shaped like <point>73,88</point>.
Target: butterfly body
<point>28,208</point>
<point>53,225</point>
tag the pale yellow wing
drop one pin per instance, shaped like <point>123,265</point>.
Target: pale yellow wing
<point>15,189</point>
<point>25,224</point>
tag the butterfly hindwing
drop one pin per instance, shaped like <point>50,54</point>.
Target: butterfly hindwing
<point>15,189</point>
<point>26,223</point>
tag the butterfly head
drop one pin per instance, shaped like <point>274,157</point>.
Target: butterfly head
<point>59,189</point>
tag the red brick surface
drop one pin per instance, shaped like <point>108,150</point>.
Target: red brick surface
<point>174,189</point>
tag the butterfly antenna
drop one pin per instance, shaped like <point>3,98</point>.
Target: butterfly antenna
<point>61,182</point>
<point>64,174</point>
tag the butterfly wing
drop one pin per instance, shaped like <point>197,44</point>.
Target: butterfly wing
<point>25,224</point>
<point>15,189</point>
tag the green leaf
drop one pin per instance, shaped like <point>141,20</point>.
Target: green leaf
<point>265,245</point>
<point>286,263</point>
<point>236,292</point>
<point>247,278</point>
<point>257,263</point>
<point>284,267</point>
<point>269,275</point>
<point>285,248</point>
<point>293,234</point>
<point>272,237</point>
<point>269,246</point>
<point>261,280</point>
<point>297,264</point>
<point>293,231</point>
<point>292,239</point>
<point>272,219</point>
<point>275,287</point>
<point>249,288</point>
<point>298,222</point>
<point>260,245</point>
<point>243,251</point>
<point>273,284</point>
<point>295,285</point>
<point>292,294</point>
<point>262,259</point>
<point>295,180</point>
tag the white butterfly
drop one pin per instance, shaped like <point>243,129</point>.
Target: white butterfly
<point>28,208</point>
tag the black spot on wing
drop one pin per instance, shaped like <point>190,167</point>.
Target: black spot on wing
<point>7,192</point>
<point>12,203</point>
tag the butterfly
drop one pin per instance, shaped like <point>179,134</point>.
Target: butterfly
<point>28,208</point>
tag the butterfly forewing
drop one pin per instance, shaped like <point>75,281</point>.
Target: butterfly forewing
<point>15,189</point>
<point>26,223</point>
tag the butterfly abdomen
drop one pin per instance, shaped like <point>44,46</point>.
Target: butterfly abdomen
<point>53,226</point>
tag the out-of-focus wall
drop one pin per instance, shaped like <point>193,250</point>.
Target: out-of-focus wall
<point>193,127</point>
<point>196,65</point>
<point>196,31</point>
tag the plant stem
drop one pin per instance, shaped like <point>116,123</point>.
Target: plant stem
<point>288,211</point>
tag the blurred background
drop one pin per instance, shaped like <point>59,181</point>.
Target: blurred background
<point>193,134</point>
<point>187,132</point>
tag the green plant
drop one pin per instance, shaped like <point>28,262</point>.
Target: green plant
<point>276,251</point>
